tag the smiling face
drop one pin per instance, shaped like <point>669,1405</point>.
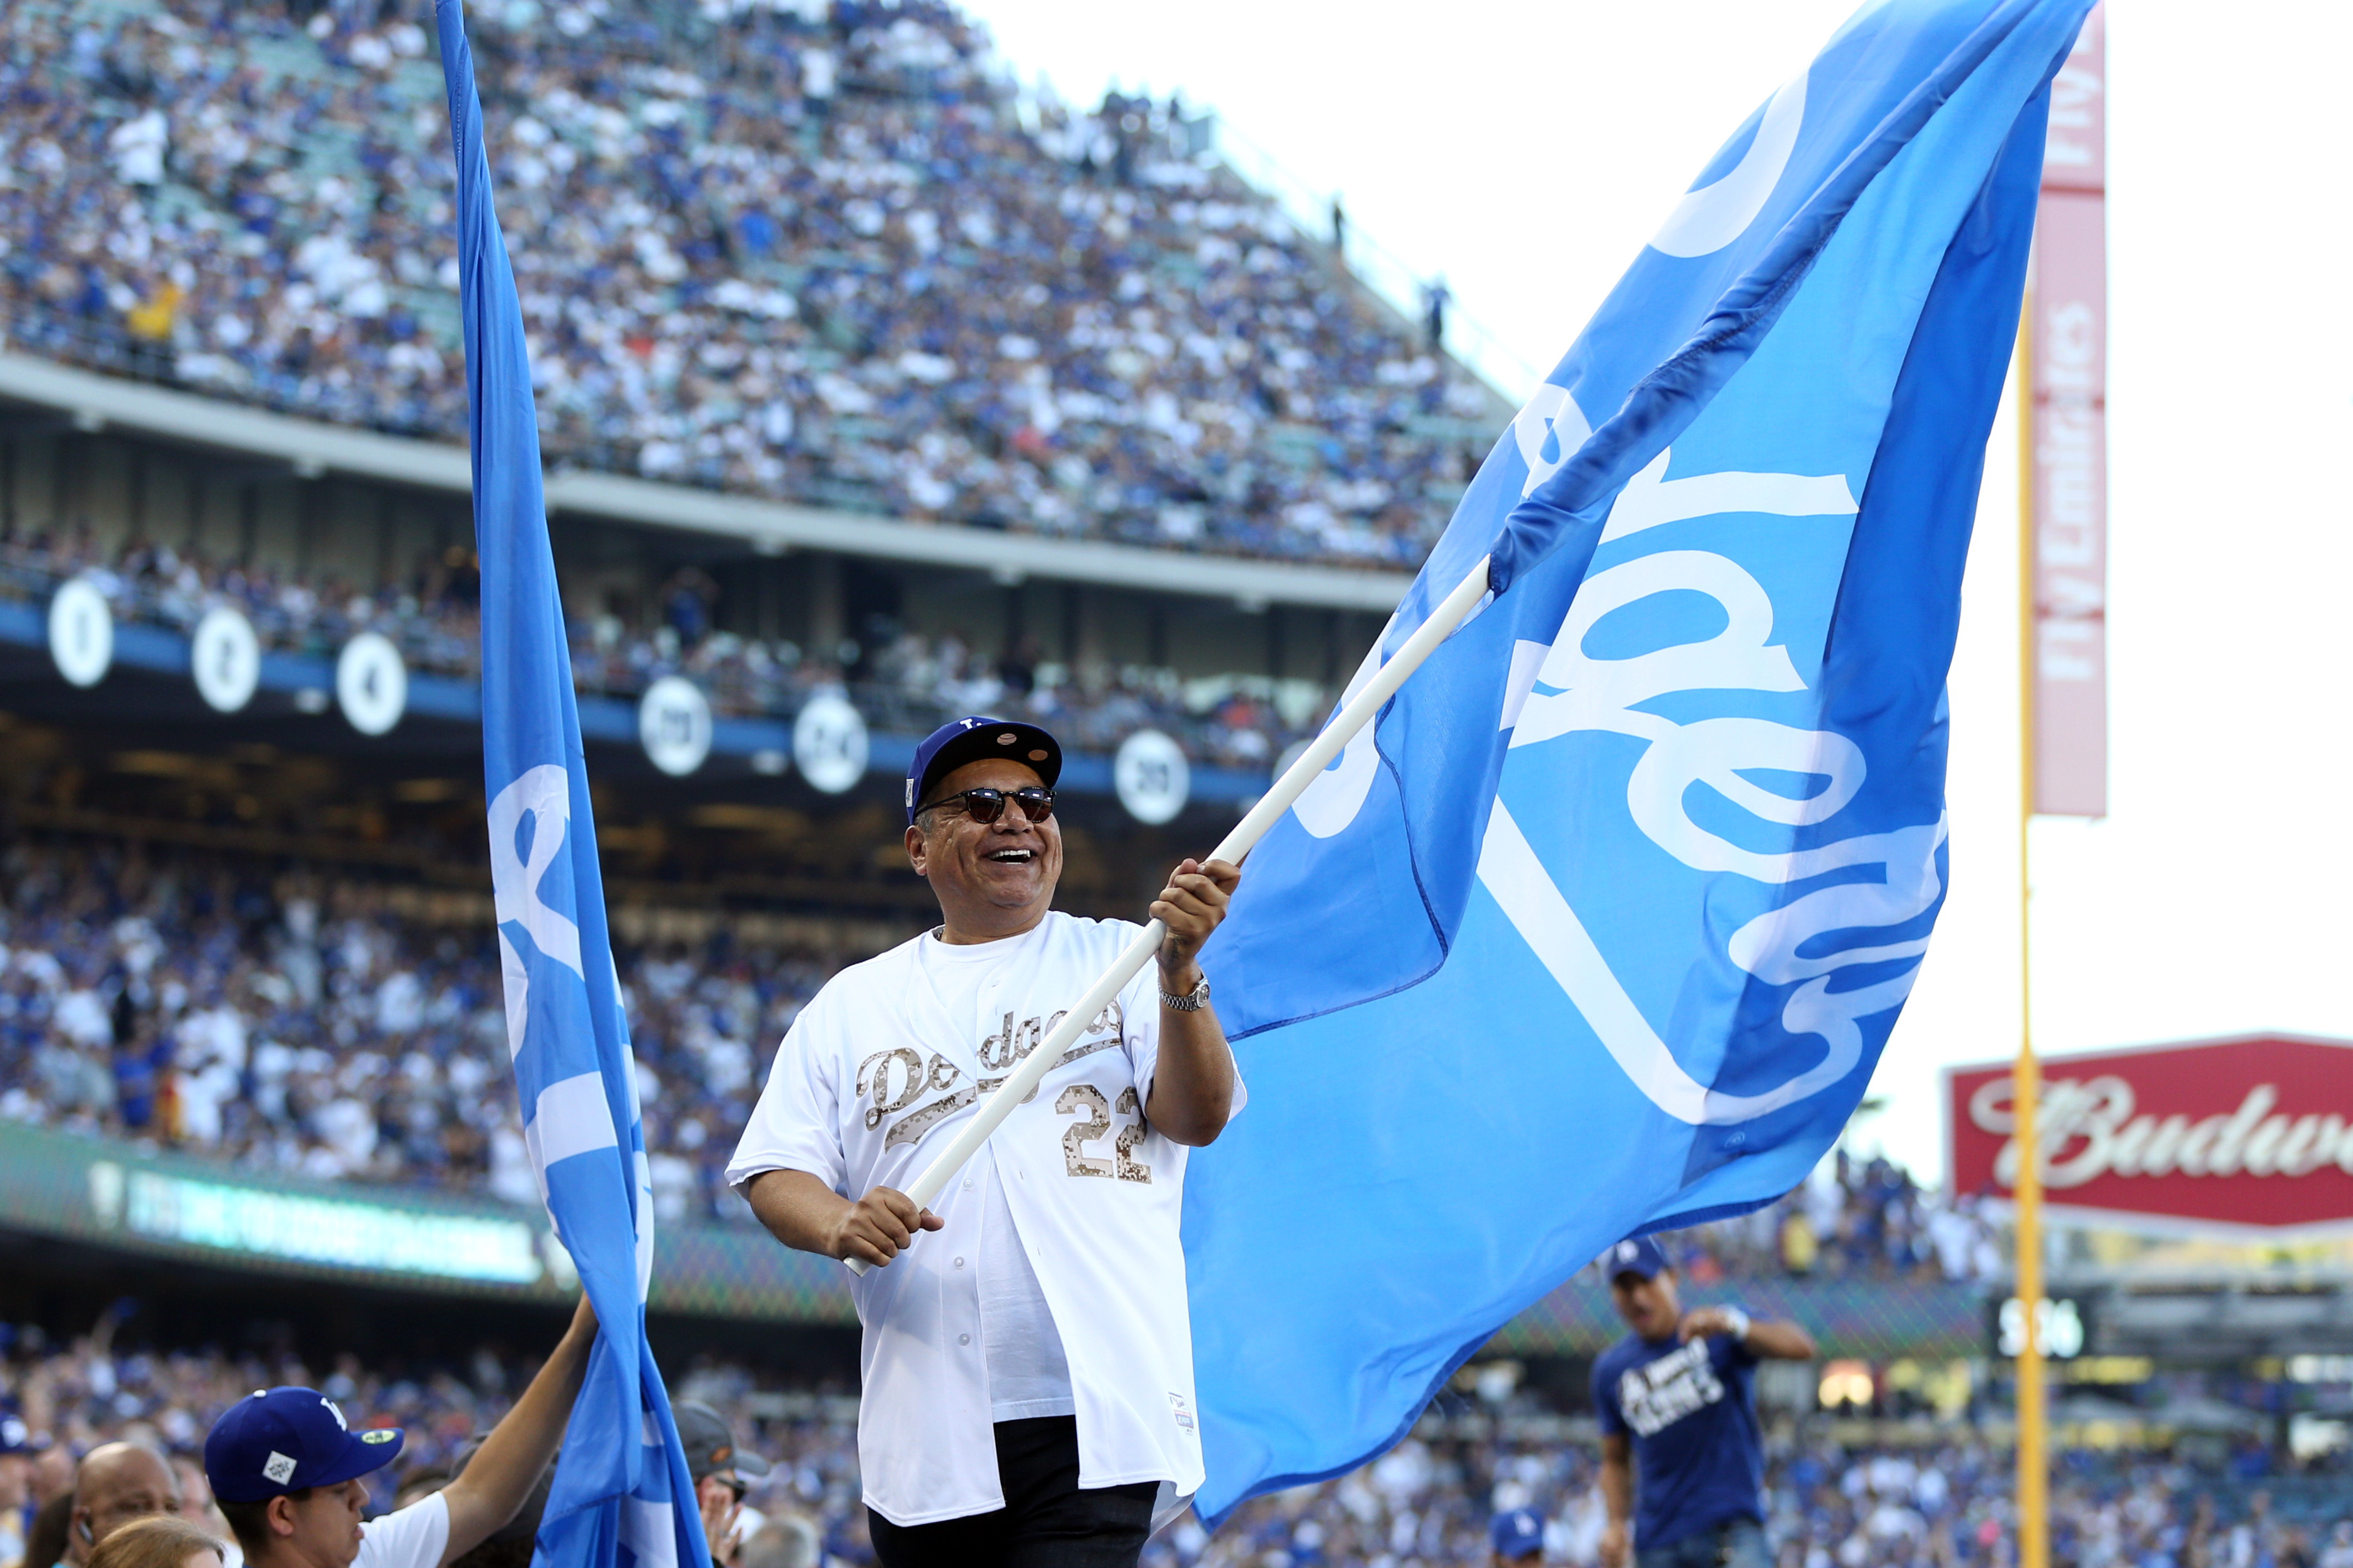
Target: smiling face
<point>993,880</point>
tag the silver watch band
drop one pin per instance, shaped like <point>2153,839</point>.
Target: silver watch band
<point>1193,1001</point>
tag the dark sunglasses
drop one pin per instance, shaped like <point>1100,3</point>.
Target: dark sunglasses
<point>985,805</point>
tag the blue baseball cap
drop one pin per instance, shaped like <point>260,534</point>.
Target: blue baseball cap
<point>962,741</point>
<point>281,1440</point>
<point>1516,1533</point>
<point>1635,1255</point>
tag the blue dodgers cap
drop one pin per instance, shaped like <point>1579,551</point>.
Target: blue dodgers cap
<point>962,741</point>
<point>1516,1533</point>
<point>281,1440</point>
<point>1635,1255</point>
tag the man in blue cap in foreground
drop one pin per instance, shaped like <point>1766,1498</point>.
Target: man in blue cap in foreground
<point>286,1469</point>
<point>1027,1358</point>
<point>1678,1396</point>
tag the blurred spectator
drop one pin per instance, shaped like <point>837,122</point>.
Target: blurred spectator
<point>723,1471</point>
<point>52,1474</point>
<point>1515,1537</point>
<point>509,1546</point>
<point>17,1504</point>
<point>791,1541</point>
<point>686,606</point>
<point>52,1527</point>
<point>114,1484</point>
<point>161,1541</point>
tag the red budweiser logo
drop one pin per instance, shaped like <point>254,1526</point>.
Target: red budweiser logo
<point>2250,1131</point>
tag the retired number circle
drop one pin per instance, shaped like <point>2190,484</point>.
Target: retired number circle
<point>371,683</point>
<point>674,724</point>
<point>81,633</point>
<point>1152,777</point>
<point>829,744</point>
<point>224,657</point>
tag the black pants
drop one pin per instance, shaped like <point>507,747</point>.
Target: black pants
<point>1046,1522</point>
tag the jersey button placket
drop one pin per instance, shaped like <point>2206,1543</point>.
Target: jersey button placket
<point>967,1289</point>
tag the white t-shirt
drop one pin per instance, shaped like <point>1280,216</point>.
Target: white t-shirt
<point>1028,1374</point>
<point>416,1537</point>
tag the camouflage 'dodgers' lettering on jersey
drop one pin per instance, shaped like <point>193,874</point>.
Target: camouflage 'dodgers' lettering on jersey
<point>896,1079</point>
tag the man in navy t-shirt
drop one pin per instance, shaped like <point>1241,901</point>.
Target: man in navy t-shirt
<point>1677,1398</point>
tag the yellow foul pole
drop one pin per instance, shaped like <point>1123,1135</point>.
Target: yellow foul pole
<point>2034,1458</point>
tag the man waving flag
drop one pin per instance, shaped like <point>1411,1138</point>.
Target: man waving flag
<point>1601,929</point>
<point>622,1474</point>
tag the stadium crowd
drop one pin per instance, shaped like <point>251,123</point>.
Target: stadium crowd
<point>1938,1501</point>
<point>296,1021</point>
<point>819,252</point>
<point>1860,1218</point>
<point>1941,1503</point>
<point>898,679</point>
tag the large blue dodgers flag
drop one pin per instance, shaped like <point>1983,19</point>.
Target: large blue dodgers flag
<point>1603,926</point>
<point>622,1476</point>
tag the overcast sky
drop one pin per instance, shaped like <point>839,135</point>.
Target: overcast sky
<point>1527,151</point>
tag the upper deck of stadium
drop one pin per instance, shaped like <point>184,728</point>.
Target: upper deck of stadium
<point>829,258</point>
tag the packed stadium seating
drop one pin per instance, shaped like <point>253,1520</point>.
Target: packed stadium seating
<point>1861,1219</point>
<point>286,1020</point>
<point>291,1018</point>
<point>1939,1500</point>
<point>827,254</point>
<point>1934,1498</point>
<point>908,682</point>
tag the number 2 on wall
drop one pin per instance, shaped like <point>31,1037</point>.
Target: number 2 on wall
<point>1079,1134</point>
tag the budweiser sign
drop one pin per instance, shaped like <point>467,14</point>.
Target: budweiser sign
<point>2255,1131</point>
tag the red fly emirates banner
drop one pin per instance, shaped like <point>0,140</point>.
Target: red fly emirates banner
<point>2068,442</point>
<point>2252,1132</point>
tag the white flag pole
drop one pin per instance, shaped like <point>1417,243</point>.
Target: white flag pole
<point>1358,712</point>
